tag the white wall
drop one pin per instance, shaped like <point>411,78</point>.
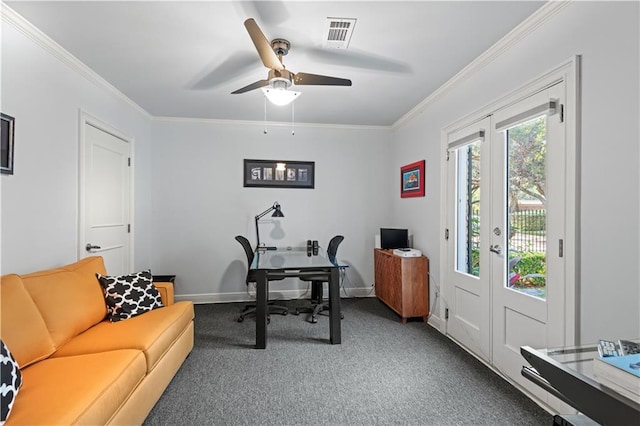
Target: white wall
<point>189,196</point>
<point>607,36</point>
<point>200,204</point>
<point>40,200</point>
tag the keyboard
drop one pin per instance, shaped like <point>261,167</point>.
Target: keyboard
<point>607,348</point>
<point>628,347</point>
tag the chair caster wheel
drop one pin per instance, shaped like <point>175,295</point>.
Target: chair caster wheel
<point>240,319</point>
<point>285,313</point>
<point>341,316</point>
<point>297,312</point>
<point>314,320</point>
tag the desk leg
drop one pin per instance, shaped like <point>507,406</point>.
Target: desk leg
<point>335,331</point>
<point>262,290</point>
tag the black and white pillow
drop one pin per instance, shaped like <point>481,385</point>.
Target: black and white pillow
<point>129,295</point>
<point>11,381</point>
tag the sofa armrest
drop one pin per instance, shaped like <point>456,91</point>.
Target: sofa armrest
<point>166,292</point>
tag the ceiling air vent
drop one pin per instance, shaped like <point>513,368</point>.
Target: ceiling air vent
<point>338,32</point>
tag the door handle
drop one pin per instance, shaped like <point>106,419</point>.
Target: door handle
<point>496,249</point>
<point>90,247</point>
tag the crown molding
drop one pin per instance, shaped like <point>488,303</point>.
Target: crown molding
<point>535,20</point>
<point>269,124</point>
<point>11,17</point>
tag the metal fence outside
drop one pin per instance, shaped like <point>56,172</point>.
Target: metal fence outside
<point>528,230</point>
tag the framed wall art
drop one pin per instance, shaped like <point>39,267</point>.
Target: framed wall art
<point>6,154</point>
<point>279,174</point>
<point>412,180</point>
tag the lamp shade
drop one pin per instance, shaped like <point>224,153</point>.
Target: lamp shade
<point>277,212</point>
<point>280,96</point>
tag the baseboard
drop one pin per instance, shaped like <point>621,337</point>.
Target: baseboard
<point>436,322</point>
<point>242,297</point>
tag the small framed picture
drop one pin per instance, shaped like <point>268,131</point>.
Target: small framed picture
<point>279,174</point>
<point>412,180</point>
<point>6,156</point>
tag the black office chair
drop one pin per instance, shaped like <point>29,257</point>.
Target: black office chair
<point>317,305</point>
<point>251,308</point>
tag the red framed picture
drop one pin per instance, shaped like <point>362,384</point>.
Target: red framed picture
<point>412,180</point>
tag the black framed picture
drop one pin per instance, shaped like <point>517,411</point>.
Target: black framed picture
<point>6,156</point>
<point>279,174</point>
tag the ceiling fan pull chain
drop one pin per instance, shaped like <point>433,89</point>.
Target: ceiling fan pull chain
<point>265,115</point>
<point>293,121</point>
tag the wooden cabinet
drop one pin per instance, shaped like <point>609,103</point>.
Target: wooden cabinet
<point>402,283</point>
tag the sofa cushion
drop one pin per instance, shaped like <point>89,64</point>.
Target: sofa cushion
<point>86,389</point>
<point>129,295</point>
<point>21,325</point>
<point>153,333</point>
<point>69,298</point>
<point>11,381</point>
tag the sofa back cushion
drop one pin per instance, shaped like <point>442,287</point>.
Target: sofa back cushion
<point>70,298</point>
<point>22,327</point>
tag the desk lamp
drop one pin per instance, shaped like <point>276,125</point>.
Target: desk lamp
<point>276,213</point>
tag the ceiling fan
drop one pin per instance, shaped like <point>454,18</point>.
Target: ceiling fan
<point>279,78</point>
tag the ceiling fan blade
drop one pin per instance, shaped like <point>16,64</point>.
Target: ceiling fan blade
<point>301,79</point>
<point>270,13</point>
<point>268,56</point>
<point>357,59</point>
<point>258,84</point>
<point>219,73</point>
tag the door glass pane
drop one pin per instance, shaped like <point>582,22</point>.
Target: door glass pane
<point>527,207</point>
<point>468,209</point>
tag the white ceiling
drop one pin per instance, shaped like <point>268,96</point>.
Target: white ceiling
<point>183,59</point>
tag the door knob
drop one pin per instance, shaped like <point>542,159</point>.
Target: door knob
<point>89,247</point>
<point>496,249</point>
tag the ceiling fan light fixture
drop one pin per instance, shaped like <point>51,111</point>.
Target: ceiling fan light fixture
<point>280,96</point>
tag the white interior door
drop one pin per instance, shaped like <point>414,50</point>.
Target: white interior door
<point>105,196</point>
<point>528,212</point>
<point>468,268</point>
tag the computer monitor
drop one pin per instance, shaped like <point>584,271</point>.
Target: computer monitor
<point>394,238</point>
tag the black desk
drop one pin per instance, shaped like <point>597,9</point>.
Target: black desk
<point>568,375</point>
<point>282,263</point>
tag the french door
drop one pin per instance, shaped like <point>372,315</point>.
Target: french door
<point>507,192</point>
<point>527,216</point>
<point>468,271</point>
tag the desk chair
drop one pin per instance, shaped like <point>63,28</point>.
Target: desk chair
<point>317,305</point>
<point>251,308</point>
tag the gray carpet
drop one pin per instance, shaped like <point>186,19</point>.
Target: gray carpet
<point>383,373</point>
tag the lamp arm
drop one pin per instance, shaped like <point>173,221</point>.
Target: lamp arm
<point>258,216</point>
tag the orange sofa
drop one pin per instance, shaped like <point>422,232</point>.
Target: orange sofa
<point>77,367</point>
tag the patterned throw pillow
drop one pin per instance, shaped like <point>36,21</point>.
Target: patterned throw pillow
<point>129,295</point>
<point>11,381</point>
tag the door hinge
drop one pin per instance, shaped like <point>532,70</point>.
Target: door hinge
<point>128,228</point>
<point>561,247</point>
<point>129,161</point>
<point>446,313</point>
<point>446,233</point>
<point>447,157</point>
<point>562,113</point>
